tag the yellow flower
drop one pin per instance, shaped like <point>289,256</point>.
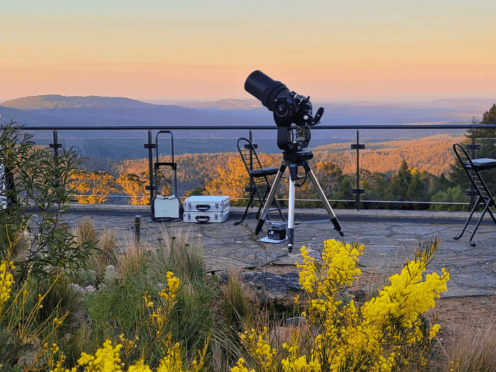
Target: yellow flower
<point>6,281</point>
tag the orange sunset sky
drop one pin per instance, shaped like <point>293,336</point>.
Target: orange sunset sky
<point>182,50</point>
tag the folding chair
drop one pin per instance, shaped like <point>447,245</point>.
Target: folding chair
<point>259,181</point>
<point>484,198</point>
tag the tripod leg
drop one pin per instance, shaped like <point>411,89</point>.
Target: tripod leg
<point>324,200</point>
<point>271,196</point>
<point>291,202</point>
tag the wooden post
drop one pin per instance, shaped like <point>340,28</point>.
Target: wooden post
<point>137,228</point>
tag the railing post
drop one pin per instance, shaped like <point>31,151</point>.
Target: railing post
<point>250,137</point>
<point>150,146</point>
<point>252,183</point>
<point>472,147</point>
<point>357,191</point>
<point>55,145</point>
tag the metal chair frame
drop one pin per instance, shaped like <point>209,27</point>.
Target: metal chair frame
<point>484,198</point>
<point>259,177</point>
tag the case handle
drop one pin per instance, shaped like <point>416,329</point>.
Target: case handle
<point>202,219</point>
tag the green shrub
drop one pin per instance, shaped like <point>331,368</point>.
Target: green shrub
<point>39,182</point>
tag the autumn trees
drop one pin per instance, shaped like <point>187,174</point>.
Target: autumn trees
<point>96,187</point>
<point>419,170</point>
<point>227,176</point>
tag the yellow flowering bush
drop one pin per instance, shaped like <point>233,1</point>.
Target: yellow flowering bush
<point>19,328</point>
<point>108,358</point>
<point>387,333</point>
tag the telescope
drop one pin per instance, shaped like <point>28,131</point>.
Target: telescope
<point>292,112</point>
<point>293,117</point>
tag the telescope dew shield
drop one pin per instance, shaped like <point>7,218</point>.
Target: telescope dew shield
<point>265,89</point>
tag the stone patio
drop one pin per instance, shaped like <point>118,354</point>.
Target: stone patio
<point>390,238</point>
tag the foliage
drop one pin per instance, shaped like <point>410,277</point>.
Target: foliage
<point>23,337</point>
<point>115,308</point>
<point>387,333</point>
<point>133,186</point>
<point>93,187</point>
<point>236,306</point>
<point>194,315</point>
<point>450,195</point>
<point>156,317</point>
<point>230,181</point>
<point>382,174</point>
<point>39,185</point>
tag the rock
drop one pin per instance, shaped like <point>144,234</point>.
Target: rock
<point>295,321</point>
<point>273,286</point>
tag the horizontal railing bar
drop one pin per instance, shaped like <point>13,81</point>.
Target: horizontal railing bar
<point>303,200</point>
<point>248,127</point>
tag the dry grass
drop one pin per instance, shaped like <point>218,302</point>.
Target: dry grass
<point>106,242</point>
<point>131,260</point>
<point>20,247</point>
<point>475,352</point>
<point>106,255</point>
<point>181,251</point>
<point>85,230</point>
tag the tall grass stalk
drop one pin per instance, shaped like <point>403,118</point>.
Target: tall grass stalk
<point>106,254</point>
<point>85,231</point>
<point>131,261</point>
<point>236,305</point>
<point>181,253</point>
<point>475,352</point>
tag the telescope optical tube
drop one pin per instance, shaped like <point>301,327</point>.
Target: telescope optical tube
<point>265,89</point>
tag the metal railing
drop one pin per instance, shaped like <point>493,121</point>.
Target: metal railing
<point>357,191</point>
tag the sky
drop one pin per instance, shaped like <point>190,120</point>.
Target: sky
<point>204,50</point>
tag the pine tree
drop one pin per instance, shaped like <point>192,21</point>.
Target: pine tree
<point>487,139</point>
<point>400,182</point>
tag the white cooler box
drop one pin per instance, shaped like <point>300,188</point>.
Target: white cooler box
<point>206,209</point>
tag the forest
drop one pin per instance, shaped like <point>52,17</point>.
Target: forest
<point>420,170</point>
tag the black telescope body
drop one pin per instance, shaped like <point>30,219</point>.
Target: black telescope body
<point>265,89</point>
<point>292,112</point>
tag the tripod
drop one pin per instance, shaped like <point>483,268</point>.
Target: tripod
<point>293,160</point>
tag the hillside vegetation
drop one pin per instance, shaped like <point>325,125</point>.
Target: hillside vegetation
<point>415,170</point>
<point>432,154</point>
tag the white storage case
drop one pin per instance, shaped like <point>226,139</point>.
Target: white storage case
<point>205,209</point>
<point>206,203</point>
<point>206,217</point>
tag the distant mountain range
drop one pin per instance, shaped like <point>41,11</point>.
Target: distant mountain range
<point>54,101</point>
<point>50,111</point>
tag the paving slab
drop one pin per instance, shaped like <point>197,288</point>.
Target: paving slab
<point>390,238</point>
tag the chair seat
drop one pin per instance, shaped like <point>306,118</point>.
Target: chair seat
<point>264,172</point>
<point>484,163</point>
